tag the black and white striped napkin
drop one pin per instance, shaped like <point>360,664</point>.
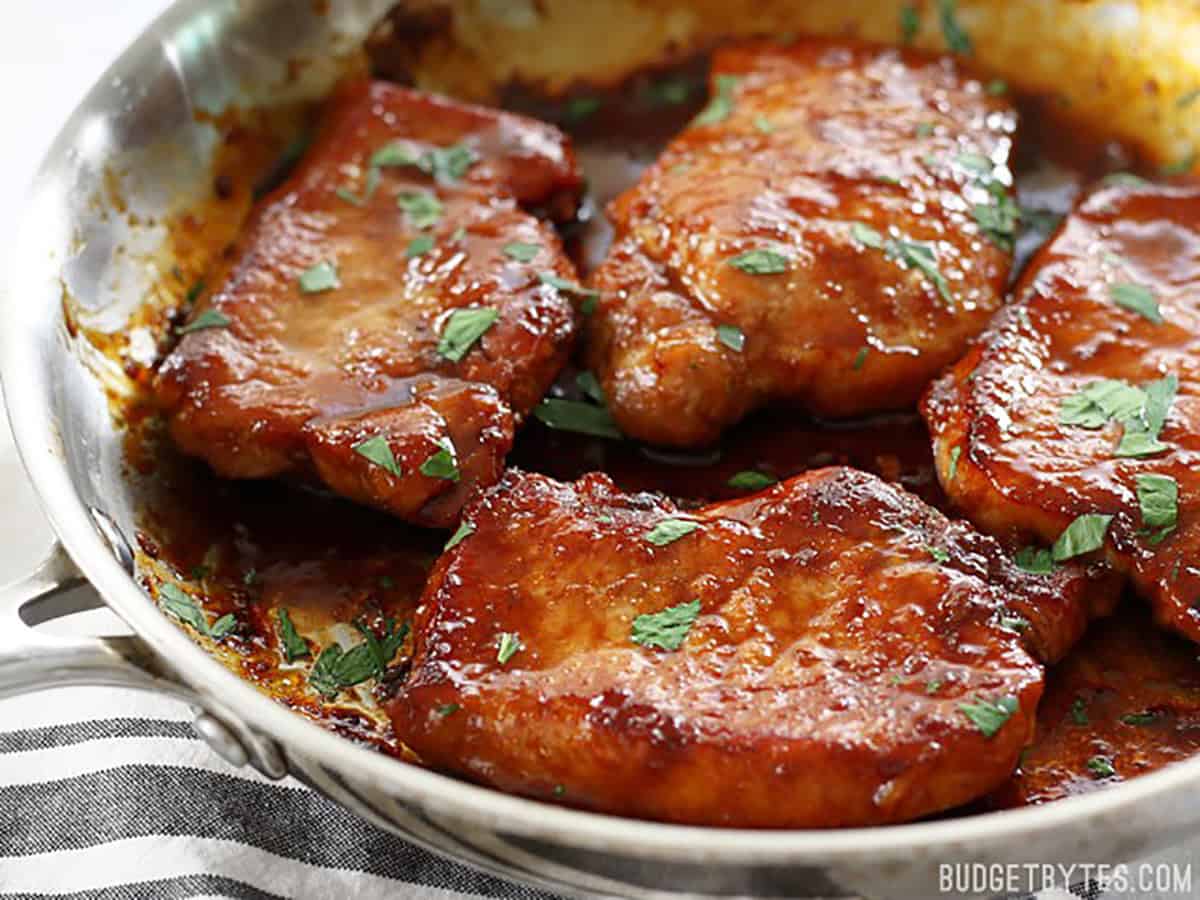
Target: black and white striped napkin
<point>108,794</point>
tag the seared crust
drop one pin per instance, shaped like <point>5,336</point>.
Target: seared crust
<point>821,685</point>
<point>297,379</point>
<point>1019,471</point>
<point>820,136</point>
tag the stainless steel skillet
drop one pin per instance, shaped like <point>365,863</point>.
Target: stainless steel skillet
<point>138,126</point>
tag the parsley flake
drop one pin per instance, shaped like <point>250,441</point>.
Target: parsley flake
<point>860,358</point>
<point>989,716</point>
<point>521,251</point>
<point>670,530</point>
<point>463,328</point>
<point>210,318</point>
<point>751,480</point>
<point>465,530</point>
<point>1083,535</point>
<point>1101,767</point>
<point>1138,298</point>
<point>957,40</point>
<point>998,219</point>
<point>294,647</point>
<point>1143,718</point>
<point>667,629</point>
<point>1035,560</point>
<point>867,236</point>
<point>337,669</point>
<point>319,278</point>
<point>423,209</point>
<point>377,450</point>
<point>1158,498</point>
<point>447,709</point>
<point>442,464</point>
<point>939,555</point>
<point>507,645</point>
<point>184,607</point>
<point>764,125</point>
<point>910,23</point>
<point>732,337</point>
<point>1079,711</point>
<point>419,246</point>
<point>369,187</point>
<point>952,469</point>
<point>761,262</point>
<point>591,388</point>
<point>721,104</point>
<point>580,108</point>
<point>569,287</point>
<point>581,418</point>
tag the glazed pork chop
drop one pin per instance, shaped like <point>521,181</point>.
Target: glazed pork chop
<point>392,311</point>
<point>1075,420</point>
<point>830,232</point>
<point>829,652</point>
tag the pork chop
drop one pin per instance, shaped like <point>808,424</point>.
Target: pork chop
<point>1076,419</point>
<point>829,232</point>
<point>829,652</point>
<point>391,312</point>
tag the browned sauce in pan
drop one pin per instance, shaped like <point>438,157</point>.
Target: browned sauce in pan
<point>348,574</point>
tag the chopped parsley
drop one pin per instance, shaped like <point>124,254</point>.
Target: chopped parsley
<point>521,251</point>
<point>1079,711</point>
<point>424,210</point>
<point>571,288</point>
<point>465,530</point>
<point>952,469</point>
<point>294,646</point>
<point>764,125</point>
<point>939,555</point>
<point>184,607</point>
<point>1101,767</point>
<point>507,645</point>
<point>1142,412</point>
<point>674,90</point>
<point>989,716</point>
<point>1012,622</point>
<point>910,23</point>
<point>574,415</point>
<point>998,219</point>
<point>319,278</point>
<point>463,328</point>
<point>447,709</point>
<point>210,318</point>
<point>443,163</point>
<point>667,629</point>
<point>1143,718</point>
<point>957,40</point>
<point>442,464</point>
<point>587,383</point>
<point>670,530</point>
<point>924,129</point>
<point>1035,561</point>
<point>721,104</point>
<point>732,337</point>
<point>1138,298</point>
<point>1158,498</point>
<point>860,358</point>
<point>997,87</point>
<point>337,669</point>
<point>914,255</point>
<point>377,450</point>
<point>750,480</point>
<point>419,246</point>
<point>580,108</point>
<point>369,188</point>
<point>932,687</point>
<point>761,262</point>
<point>1083,535</point>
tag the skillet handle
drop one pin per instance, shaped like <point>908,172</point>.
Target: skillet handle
<point>31,660</point>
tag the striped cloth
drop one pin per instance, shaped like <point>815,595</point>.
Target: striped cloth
<point>109,795</point>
